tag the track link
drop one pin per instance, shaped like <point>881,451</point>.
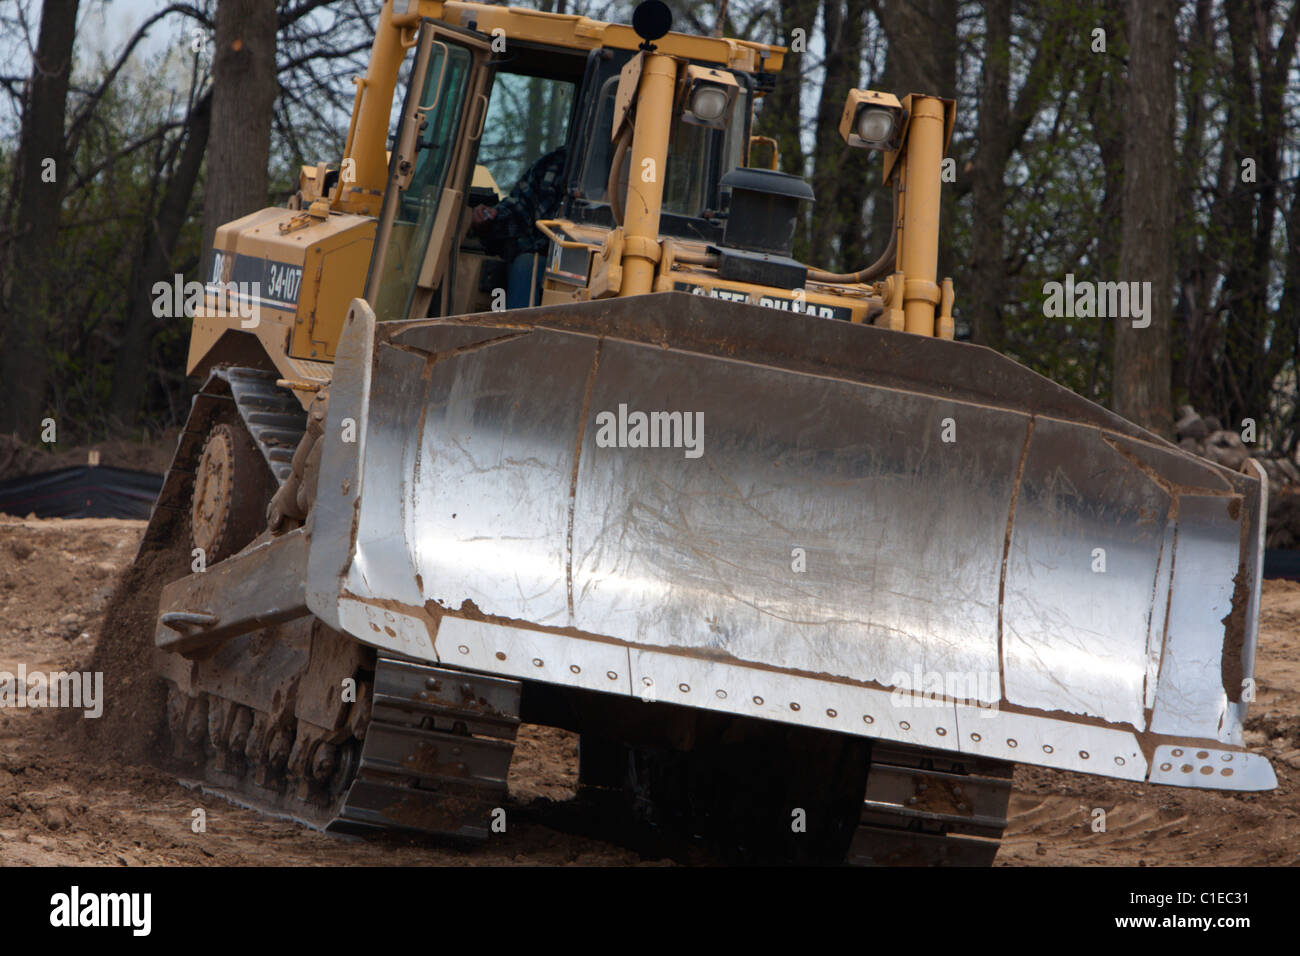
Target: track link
<point>436,753</point>
<point>423,749</point>
<point>272,415</point>
<point>926,808</point>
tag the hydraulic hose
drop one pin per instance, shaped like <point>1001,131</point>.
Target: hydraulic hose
<point>882,266</point>
<point>621,147</point>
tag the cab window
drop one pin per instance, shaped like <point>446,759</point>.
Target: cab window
<point>528,117</point>
<point>697,159</point>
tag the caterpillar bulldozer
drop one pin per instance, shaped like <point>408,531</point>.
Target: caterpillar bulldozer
<point>807,575</point>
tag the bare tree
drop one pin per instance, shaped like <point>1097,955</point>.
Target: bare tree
<point>155,262</point>
<point>1141,383</point>
<point>780,116</point>
<point>840,174</point>
<point>988,267</point>
<point>42,172</point>
<point>244,89</point>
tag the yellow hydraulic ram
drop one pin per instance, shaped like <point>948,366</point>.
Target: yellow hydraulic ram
<point>919,246</point>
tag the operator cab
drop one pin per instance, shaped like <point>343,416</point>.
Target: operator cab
<point>476,125</point>
<point>539,100</point>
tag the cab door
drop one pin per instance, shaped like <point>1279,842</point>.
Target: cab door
<point>428,172</point>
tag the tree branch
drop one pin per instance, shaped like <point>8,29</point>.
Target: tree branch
<point>83,114</point>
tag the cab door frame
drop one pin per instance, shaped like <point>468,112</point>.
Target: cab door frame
<point>433,258</point>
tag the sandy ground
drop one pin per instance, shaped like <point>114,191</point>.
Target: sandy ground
<point>61,805</point>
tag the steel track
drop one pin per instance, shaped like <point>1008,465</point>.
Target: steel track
<point>433,759</point>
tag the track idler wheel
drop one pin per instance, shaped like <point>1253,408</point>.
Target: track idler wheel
<point>231,487</point>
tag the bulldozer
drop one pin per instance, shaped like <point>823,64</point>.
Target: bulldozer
<point>807,575</point>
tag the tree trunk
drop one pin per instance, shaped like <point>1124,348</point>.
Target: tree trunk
<point>780,116</point>
<point>244,87</point>
<point>988,268</point>
<point>922,38</point>
<point>1260,73</point>
<point>1106,91</point>
<point>1287,329</point>
<point>131,364</point>
<point>839,172</point>
<point>1193,321</point>
<point>860,175</point>
<point>1141,390</point>
<point>31,282</point>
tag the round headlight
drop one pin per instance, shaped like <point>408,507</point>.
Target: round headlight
<point>708,103</point>
<point>875,125</point>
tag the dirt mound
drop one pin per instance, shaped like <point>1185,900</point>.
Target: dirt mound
<point>73,790</point>
<point>124,653</point>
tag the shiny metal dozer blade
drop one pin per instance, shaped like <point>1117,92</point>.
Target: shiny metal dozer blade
<point>723,506</point>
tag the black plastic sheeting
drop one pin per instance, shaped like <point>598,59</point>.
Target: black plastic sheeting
<point>81,492</point>
<point>1282,564</point>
